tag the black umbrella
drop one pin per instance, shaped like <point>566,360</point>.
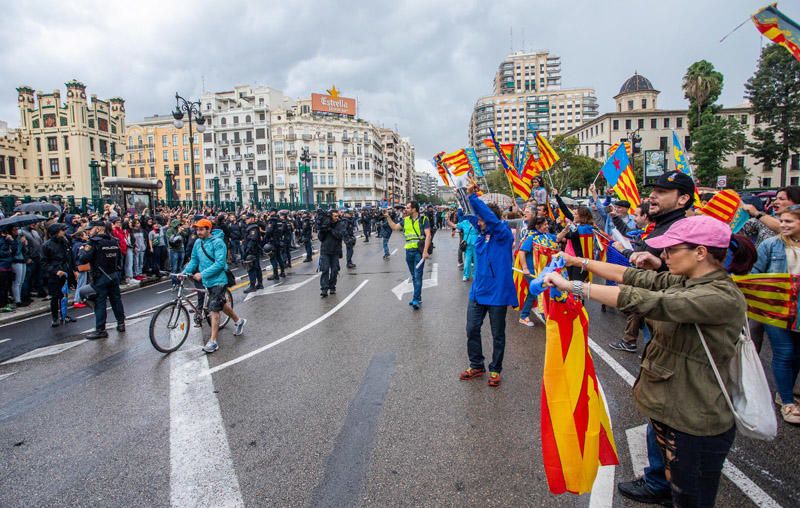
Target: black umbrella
<point>38,207</point>
<point>21,220</point>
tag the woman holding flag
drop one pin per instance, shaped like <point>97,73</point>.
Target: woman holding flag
<point>676,387</point>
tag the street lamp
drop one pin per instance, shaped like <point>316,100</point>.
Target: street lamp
<point>191,109</point>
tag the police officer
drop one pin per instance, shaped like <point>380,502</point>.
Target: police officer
<point>349,236</point>
<point>103,252</point>
<point>366,223</point>
<point>305,235</point>
<point>287,233</point>
<point>273,235</point>
<point>252,253</point>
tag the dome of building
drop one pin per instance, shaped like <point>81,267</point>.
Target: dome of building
<point>636,83</point>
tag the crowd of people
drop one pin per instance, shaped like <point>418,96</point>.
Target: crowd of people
<point>670,275</point>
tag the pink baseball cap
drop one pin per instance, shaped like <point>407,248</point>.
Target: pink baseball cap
<point>698,230</point>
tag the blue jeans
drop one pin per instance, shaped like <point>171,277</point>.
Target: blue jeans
<point>469,260</point>
<point>82,281</point>
<point>654,476</point>
<point>386,246</point>
<point>175,262</point>
<point>476,313</point>
<point>138,262</point>
<point>413,256</point>
<point>236,251</point>
<point>785,359</point>
<point>527,306</point>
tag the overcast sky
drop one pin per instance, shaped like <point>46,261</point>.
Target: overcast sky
<point>418,65</point>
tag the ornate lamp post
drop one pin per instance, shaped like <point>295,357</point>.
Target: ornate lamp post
<point>306,180</point>
<point>192,109</point>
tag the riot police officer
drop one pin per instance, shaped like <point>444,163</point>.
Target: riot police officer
<point>103,252</point>
<point>273,235</point>
<point>366,223</point>
<point>252,253</point>
<point>305,235</point>
<point>287,232</point>
<point>349,236</point>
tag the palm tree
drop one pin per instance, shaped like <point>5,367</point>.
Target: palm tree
<point>702,85</point>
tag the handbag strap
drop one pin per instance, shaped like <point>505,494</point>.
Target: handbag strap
<point>206,253</point>
<point>716,371</point>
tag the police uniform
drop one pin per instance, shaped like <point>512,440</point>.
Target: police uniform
<point>274,233</point>
<point>305,237</point>
<point>104,254</point>
<point>252,256</point>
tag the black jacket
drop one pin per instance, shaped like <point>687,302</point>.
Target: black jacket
<point>331,238</point>
<point>663,222</point>
<point>56,256</point>
<point>236,230</point>
<point>103,253</point>
<point>252,240</point>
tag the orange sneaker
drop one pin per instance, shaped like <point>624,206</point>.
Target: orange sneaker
<point>494,379</point>
<point>471,373</point>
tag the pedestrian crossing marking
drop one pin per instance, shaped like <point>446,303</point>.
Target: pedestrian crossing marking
<point>44,351</point>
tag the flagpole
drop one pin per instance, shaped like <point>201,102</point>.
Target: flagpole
<point>740,26</point>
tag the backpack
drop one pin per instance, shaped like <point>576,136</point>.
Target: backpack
<point>750,397</point>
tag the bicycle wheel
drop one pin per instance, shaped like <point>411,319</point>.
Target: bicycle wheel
<point>223,318</point>
<point>169,327</point>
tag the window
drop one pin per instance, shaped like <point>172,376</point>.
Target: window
<point>794,180</point>
<point>640,123</point>
<point>12,166</point>
<point>666,123</point>
<point>615,125</point>
<point>52,144</point>
<point>630,105</point>
<point>794,162</point>
<point>653,123</point>
<point>628,124</point>
<point>260,134</point>
<point>174,155</point>
<point>53,167</point>
<point>3,164</point>
<point>766,182</point>
<point>185,154</point>
<point>185,139</point>
<point>150,139</point>
<point>662,143</point>
<point>39,144</point>
<point>103,146</point>
<point>69,166</point>
<point>41,169</point>
<point>644,103</point>
<point>740,161</point>
<point>66,142</point>
<point>165,156</point>
<point>236,120</point>
<point>174,140</point>
<point>247,119</point>
<point>207,137</point>
<point>223,121</point>
<point>687,143</point>
<point>679,122</point>
<point>743,119</point>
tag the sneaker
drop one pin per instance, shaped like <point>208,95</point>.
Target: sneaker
<point>332,291</point>
<point>779,402</point>
<point>97,334</point>
<point>250,289</point>
<point>210,346</point>
<point>471,373</point>
<point>527,322</point>
<point>323,293</point>
<point>198,321</point>
<point>494,379</point>
<point>238,328</point>
<point>415,304</point>
<point>7,308</point>
<point>464,279</point>
<point>791,413</point>
<point>259,286</point>
<point>639,491</point>
<point>623,345</point>
<point>121,327</point>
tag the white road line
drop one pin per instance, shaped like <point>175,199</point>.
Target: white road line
<point>4,340</point>
<point>637,446</point>
<point>393,252</point>
<point>287,337</point>
<point>277,288</point>
<point>201,466</point>
<point>44,351</point>
<point>602,494</point>
<point>7,374</point>
<point>734,474</point>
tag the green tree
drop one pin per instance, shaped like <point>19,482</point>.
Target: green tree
<point>774,92</point>
<point>702,85</point>
<point>497,182</point>
<point>713,140</point>
<point>573,171</point>
<point>738,178</point>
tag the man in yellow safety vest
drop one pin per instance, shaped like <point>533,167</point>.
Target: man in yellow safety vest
<point>417,231</point>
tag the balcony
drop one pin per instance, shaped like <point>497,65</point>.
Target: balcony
<point>222,142</point>
<point>250,171</point>
<point>150,160</point>
<point>237,172</point>
<point>291,137</point>
<point>224,158</point>
<point>236,142</point>
<point>291,153</point>
<point>249,156</point>
<point>236,157</point>
<point>307,137</point>
<point>330,138</point>
<point>249,141</point>
<point>346,139</point>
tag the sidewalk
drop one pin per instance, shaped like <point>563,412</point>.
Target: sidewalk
<point>40,306</point>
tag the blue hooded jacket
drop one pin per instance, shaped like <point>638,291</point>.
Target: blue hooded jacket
<point>212,270</point>
<point>494,280</point>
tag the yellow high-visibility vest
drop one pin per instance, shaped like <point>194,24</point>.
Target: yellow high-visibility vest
<point>413,231</point>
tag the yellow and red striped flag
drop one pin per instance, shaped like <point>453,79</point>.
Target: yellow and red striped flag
<point>779,28</point>
<point>772,298</point>
<point>547,156</point>
<point>520,185</point>
<point>726,206</point>
<point>437,161</point>
<point>618,172</point>
<point>576,430</point>
<point>457,162</point>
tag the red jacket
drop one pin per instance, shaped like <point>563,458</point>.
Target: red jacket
<point>120,235</point>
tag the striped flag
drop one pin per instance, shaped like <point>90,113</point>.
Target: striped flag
<point>726,206</point>
<point>616,145</point>
<point>547,156</point>
<point>457,162</point>
<point>586,238</point>
<point>618,172</point>
<point>779,28</point>
<point>576,430</point>
<point>682,164</point>
<point>437,161</point>
<point>772,298</point>
<point>521,187</point>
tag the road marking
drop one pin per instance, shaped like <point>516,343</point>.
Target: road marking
<point>44,351</point>
<point>734,474</point>
<point>637,446</point>
<point>407,287</point>
<point>4,340</point>
<point>602,494</point>
<point>393,252</point>
<point>347,465</point>
<point>280,288</point>
<point>287,337</point>
<point>7,374</point>
<point>201,467</point>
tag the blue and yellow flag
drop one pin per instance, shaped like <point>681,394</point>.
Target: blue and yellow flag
<point>682,164</point>
<point>779,28</point>
<point>618,172</point>
<point>473,160</point>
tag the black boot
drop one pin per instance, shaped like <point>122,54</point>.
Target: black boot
<point>120,327</point>
<point>274,276</point>
<point>97,334</point>
<point>250,289</point>
<point>307,260</point>
<point>283,274</point>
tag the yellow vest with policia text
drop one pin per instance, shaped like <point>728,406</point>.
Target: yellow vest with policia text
<point>414,231</point>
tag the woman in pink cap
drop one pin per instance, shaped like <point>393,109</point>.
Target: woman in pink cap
<point>676,387</point>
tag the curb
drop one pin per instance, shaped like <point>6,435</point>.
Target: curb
<point>19,315</point>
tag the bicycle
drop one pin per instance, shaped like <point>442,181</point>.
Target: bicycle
<point>169,326</point>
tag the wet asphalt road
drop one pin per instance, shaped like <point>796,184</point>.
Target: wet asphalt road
<point>362,407</point>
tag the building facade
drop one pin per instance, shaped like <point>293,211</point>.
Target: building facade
<point>527,91</point>
<point>49,153</point>
<point>427,183</point>
<point>399,156</point>
<point>636,111</point>
<point>154,146</point>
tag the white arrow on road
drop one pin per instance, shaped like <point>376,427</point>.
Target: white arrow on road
<point>407,287</point>
<point>283,288</point>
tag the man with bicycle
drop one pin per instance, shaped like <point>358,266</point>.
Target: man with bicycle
<point>207,265</point>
